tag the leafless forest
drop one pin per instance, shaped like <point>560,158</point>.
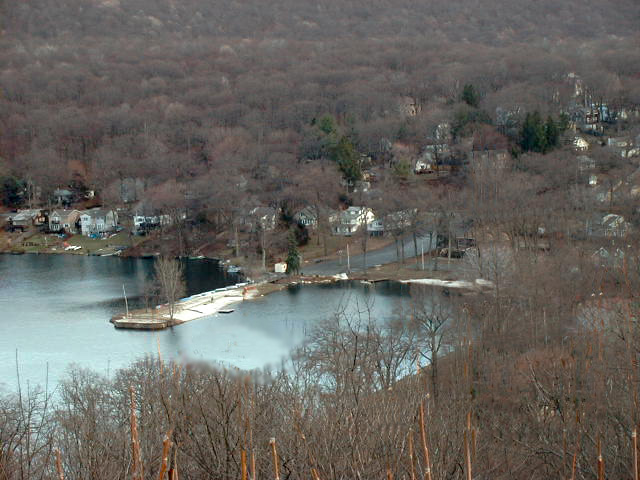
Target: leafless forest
<point>529,114</point>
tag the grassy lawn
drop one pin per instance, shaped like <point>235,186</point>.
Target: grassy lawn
<point>103,246</point>
<point>49,243</point>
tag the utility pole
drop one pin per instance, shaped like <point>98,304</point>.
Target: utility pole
<point>348,260</point>
<point>126,304</point>
<point>422,248</point>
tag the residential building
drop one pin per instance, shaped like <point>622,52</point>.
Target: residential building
<point>143,224</point>
<point>25,219</point>
<point>64,221</point>
<point>264,217</point>
<point>98,221</point>
<point>63,197</point>
<point>375,228</point>
<point>608,225</point>
<point>307,217</point>
<point>347,222</point>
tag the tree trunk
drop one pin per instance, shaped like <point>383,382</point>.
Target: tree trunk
<point>435,251</point>
<point>364,251</point>
<point>434,366</point>
<point>236,240</point>
<point>449,248</point>
<point>264,253</point>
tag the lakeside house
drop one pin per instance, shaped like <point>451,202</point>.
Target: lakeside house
<point>347,222</point>
<point>146,218</point>
<point>64,221</point>
<point>25,219</point>
<point>143,224</point>
<point>98,221</point>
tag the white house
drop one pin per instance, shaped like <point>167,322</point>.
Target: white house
<point>375,228</point>
<point>347,222</point>
<point>144,223</point>
<point>98,221</point>
<point>63,221</point>
<point>580,144</point>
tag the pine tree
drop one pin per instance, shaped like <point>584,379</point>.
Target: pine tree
<point>552,134</point>
<point>533,135</point>
<point>470,95</point>
<point>347,158</point>
<point>293,256</point>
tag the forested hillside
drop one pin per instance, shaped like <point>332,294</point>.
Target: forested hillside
<point>510,129</point>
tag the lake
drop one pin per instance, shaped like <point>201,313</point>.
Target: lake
<point>55,311</point>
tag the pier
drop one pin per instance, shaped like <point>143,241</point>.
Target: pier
<point>191,308</point>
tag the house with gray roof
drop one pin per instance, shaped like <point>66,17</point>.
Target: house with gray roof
<point>64,221</point>
<point>98,221</point>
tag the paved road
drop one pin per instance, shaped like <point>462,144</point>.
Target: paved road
<point>375,257</point>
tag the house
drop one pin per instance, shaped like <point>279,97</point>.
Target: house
<point>143,224</point>
<point>408,107</point>
<point>624,147</point>
<point>614,225</point>
<point>307,217</point>
<point>375,228</point>
<point>64,221</point>
<point>361,186</point>
<point>98,221</point>
<point>585,163</point>
<point>280,267</point>
<point>347,222</point>
<point>608,258</point>
<point>264,217</point>
<point>63,197</point>
<point>609,225</point>
<point>25,219</point>
<point>580,144</point>
<point>398,220</point>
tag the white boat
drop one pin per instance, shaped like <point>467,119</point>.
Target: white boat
<point>233,269</point>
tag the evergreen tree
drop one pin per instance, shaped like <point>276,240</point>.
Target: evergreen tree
<point>533,135</point>
<point>552,134</point>
<point>348,159</point>
<point>327,125</point>
<point>10,188</point>
<point>293,256</point>
<point>470,95</point>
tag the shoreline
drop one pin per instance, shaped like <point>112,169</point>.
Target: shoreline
<point>208,304</point>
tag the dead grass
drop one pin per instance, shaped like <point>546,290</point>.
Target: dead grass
<point>335,244</point>
<point>409,271</point>
<point>51,243</point>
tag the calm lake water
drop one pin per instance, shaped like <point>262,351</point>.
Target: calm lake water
<point>55,311</point>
